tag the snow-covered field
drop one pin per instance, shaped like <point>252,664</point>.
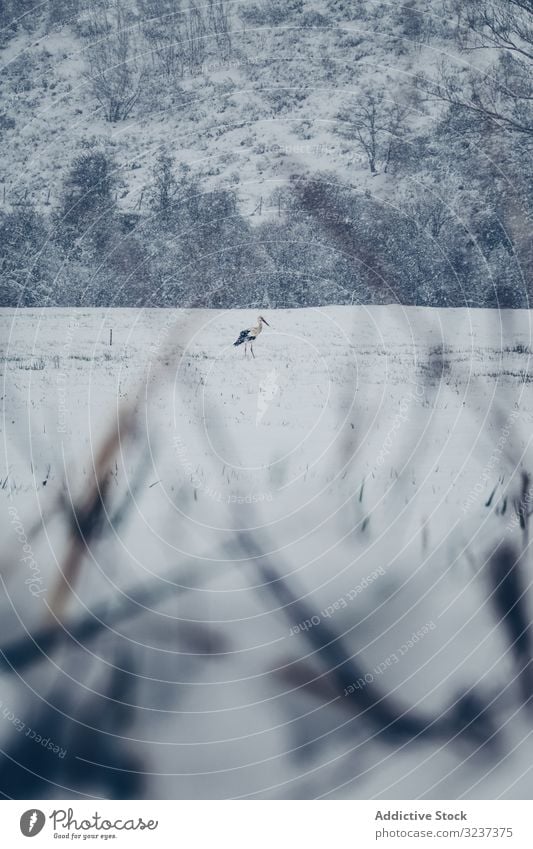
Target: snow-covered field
<point>359,439</point>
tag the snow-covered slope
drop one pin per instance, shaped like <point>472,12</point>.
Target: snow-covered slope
<point>247,120</point>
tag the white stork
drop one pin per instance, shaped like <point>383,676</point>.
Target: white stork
<point>250,335</point>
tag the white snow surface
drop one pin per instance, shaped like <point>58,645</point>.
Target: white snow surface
<point>358,439</point>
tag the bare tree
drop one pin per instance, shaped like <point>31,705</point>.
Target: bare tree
<point>219,22</point>
<point>374,123</point>
<point>394,126</point>
<point>115,75</point>
<point>163,27</point>
<point>506,25</point>
<point>501,94</point>
<point>195,33</point>
<point>430,214</point>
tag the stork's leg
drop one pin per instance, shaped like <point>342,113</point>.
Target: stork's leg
<point>252,349</point>
<point>245,345</point>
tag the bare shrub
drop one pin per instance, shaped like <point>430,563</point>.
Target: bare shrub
<point>163,28</point>
<point>114,72</point>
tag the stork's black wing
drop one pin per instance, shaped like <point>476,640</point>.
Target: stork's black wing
<point>242,337</point>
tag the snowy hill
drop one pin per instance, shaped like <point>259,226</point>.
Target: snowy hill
<point>244,119</point>
<point>158,154</point>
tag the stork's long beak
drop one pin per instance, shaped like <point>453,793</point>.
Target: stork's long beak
<point>266,322</point>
